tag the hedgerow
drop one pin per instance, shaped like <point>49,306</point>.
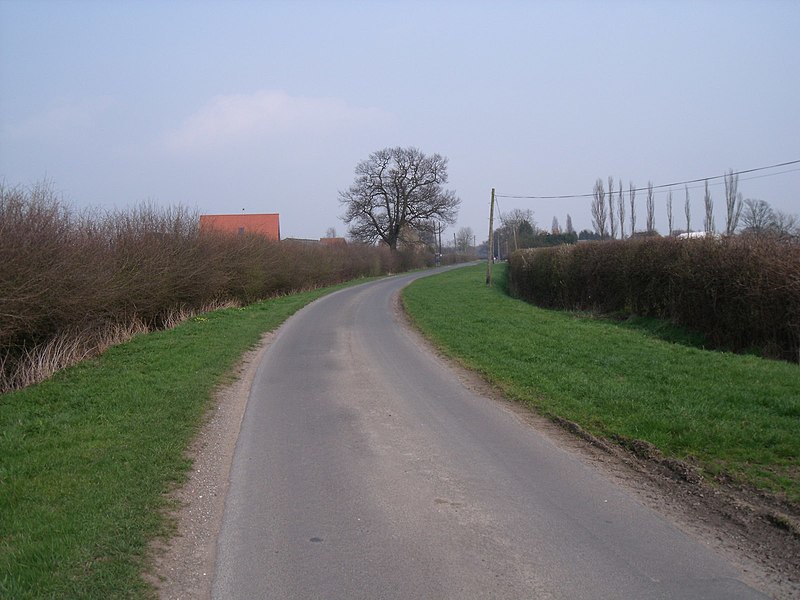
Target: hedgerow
<point>73,283</point>
<point>741,292</point>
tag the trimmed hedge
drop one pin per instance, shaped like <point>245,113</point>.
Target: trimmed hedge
<point>742,293</point>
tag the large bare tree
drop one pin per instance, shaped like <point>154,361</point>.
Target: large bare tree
<point>397,190</point>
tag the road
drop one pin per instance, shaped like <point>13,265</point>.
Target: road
<point>366,469</point>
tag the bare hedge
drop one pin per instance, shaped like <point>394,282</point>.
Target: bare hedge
<point>65,276</point>
<point>742,293</point>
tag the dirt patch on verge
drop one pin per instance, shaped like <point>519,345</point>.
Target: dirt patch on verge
<point>183,566</point>
<point>756,532</point>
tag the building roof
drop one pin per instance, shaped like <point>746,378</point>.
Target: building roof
<point>264,224</point>
<point>333,241</point>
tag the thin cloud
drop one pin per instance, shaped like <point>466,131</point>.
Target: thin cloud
<point>66,118</point>
<point>242,119</point>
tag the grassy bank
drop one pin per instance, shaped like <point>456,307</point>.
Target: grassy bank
<point>742,293</point>
<point>86,457</point>
<point>723,412</point>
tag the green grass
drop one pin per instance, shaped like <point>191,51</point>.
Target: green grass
<point>723,412</point>
<point>87,457</point>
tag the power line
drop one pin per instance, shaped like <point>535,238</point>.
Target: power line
<point>667,185</point>
<point>700,186</point>
<point>771,174</point>
<point>499,212</point>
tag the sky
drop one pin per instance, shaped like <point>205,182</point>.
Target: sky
<point>268,106</point>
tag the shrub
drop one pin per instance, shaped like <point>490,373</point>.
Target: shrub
<point>742,293</point>
<point>69,283</point>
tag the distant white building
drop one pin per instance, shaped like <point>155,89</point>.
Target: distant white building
<point>697,234</point>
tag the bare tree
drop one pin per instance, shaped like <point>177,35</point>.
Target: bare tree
<point>785,224</point>
<point>599,209</point>
<point>518,225</point>
<point>330,232</point>
<point>632,200</point>
<point>555,228</point>
<point>397,190</point>
<point>687,207</point>
<point>611,220</point>
<point>733,202</point>
<point>430,234</point>
<point>621,208</point>
<point>651,208</point>
<point>708,223</point>
<point>463,240</point>
<point>757,216</point>
<point>570,228</point>
<point>669,211</point>
<point>517,218</point>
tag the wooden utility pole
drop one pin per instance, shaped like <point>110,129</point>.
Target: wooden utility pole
<point>490,259</point>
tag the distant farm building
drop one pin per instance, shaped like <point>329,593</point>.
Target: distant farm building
<point>326,241</point>
<point>267,225</point>
<point>336,242</point>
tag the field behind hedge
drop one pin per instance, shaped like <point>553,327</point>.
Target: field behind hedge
<point>741,293</point>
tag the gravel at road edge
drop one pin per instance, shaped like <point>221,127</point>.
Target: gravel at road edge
<point>184,564</point>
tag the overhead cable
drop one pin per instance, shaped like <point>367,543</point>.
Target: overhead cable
<point>669,185</point>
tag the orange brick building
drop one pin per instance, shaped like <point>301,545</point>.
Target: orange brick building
<point>267,224</point>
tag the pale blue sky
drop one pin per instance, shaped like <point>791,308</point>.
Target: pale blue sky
<point>268,106</point>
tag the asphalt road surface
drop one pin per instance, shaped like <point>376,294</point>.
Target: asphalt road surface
<point>365,469</point>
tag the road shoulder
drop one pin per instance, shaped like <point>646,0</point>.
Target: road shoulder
<point>183,565</point>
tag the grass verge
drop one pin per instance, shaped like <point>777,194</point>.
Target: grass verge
<point>87,457</point>
<point>725,413</point>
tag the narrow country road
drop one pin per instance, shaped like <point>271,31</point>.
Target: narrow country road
<point>365,469</point>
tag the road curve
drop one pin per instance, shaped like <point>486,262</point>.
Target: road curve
<point>365,469</point>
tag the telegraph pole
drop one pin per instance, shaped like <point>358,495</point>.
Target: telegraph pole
<point>490,259</point>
